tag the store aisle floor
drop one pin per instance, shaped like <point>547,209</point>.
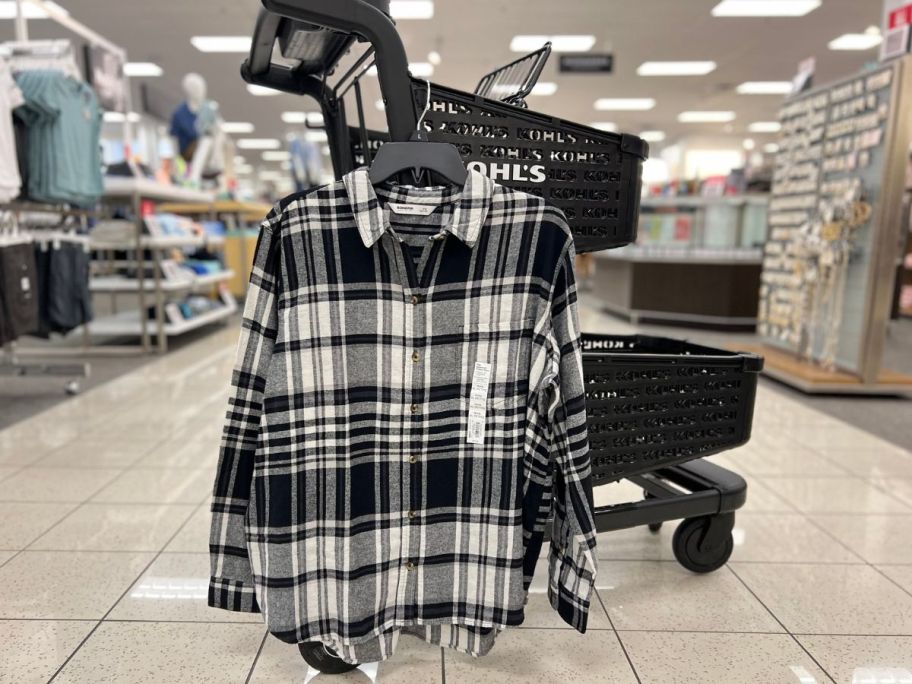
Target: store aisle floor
<point>104,566</point>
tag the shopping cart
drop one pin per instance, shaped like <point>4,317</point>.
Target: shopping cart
<point>655,406</point>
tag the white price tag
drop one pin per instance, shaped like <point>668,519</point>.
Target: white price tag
<point>25,284</point>
<point>478,403</point>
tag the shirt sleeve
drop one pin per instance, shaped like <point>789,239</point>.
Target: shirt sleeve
<point>231,583</point>
<point>572,559</point>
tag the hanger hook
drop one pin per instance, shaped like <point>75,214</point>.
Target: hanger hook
<point>427,106</point>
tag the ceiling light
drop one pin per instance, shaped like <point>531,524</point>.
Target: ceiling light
<point>258,144</point>
<point>544,88</point>
<point>411,9</point>
<point>237,127</point>
<point>276,155</point>
<point>142,69</point>
<point>653,136</point>
<point>261,91</point>
<point>675,68</point>
<point>561,43</point>
<point>765,88</point>
<point>748,144</point>
<point>609,126</point>
<point>421,69</point>
<point>706,117</point>
<point>871,38</point>
<point>771,148</point>
<point>243,168</point>
<point>434,57</point>
<point>285,165</point>
<point>314,119</point>
<point>316,136</point>
<point>379,105</point>
<point>240,159</point>
<point>765,8</point>
<point>29,11</point>
<point>294,117</point>
<point>765,127</point>
<point>625,104</point>
<point>221,43</point>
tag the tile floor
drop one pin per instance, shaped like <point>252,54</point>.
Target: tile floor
<point>103,564</point>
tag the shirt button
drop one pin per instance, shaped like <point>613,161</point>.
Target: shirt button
<point>415,299</point>
<point>413,408</point>
<point>416,356</point>
<point>410,565</point>
<point>412,514</point>
<point>413,459</point>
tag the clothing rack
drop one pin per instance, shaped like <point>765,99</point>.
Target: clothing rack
<point>14,360</point>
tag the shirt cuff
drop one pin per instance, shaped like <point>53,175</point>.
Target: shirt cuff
<point>232,595</point>
<point>570,587</point>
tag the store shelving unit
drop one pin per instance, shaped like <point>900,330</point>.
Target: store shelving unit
<point>697,260</point>
<point>133,193</point>
<point>241,220</point>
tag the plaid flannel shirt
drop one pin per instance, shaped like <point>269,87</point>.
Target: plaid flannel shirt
<point>348,505</point>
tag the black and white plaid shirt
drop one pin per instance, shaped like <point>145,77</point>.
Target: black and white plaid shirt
<point>349,504</point>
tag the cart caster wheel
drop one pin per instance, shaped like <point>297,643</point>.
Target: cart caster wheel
<point>71,388</point>
<point>323,659</point>
<point>653,527</point>
<point>686,545</point>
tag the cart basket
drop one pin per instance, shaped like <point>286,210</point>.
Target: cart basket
<point>654,402</point>
<point>592,175</point>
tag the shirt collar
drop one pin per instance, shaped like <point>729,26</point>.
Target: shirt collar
<point>471,203</point>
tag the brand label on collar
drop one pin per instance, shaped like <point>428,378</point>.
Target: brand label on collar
<point>412,209</point>
<point>478,403</point>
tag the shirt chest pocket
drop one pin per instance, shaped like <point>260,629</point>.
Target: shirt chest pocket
<point>504,349</point>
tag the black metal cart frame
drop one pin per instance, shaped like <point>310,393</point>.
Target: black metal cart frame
<point>319,33</point>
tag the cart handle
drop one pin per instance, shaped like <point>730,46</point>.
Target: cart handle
<point>360,18</point>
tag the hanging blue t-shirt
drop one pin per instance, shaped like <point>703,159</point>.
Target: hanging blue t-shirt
<point>183,126</point>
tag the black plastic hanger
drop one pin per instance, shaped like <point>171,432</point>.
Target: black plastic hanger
<point>418,156</point>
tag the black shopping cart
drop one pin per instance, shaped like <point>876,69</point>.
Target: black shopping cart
<point>656,406</point>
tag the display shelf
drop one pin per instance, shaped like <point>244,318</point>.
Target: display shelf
<point>162,242</point>
<point>810,378</point>
<point>697,201</point>
<point>126,186</point>
<point>219,206</point>
<point>128,323</point>
<point>124,284</point>
<point>682,256</point>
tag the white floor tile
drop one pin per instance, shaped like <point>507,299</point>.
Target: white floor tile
<point>175,588</point>
<point>544,656</point>
<point>156,485</point>
<point>863,659</point>
<point>876,538</point>
<point>901,574</point>
<point>77,585</point>
<point>873,464</point>
<point>194,536</point>
<point>33,650</point>
<point>764,497</point>
<point>898,488</point>
<point>784,538</point>
<point>99,452</point>
<point>116,527</point>
<point>56,484</point>
<point>153,653</point>
<point>665,596</point>
<point>796,460</point>
<point>830,599</point>
<point>22,523</point>
<point>414,662</point>
<point>687,657</point>
<point>834,495</point>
